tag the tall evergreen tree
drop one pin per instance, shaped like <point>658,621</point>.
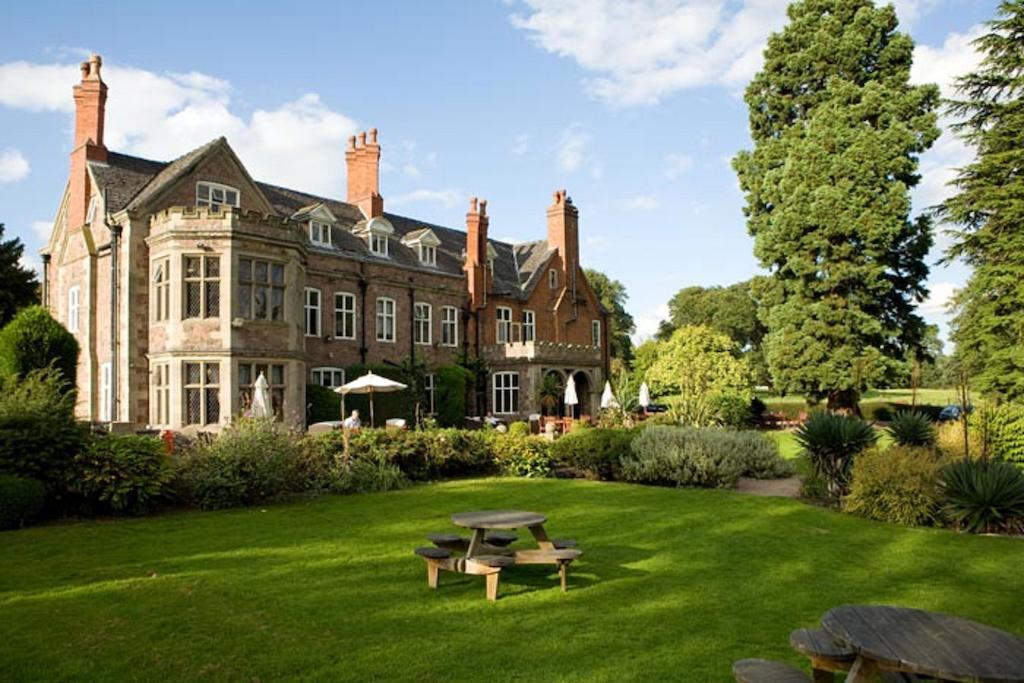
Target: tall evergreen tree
<point>989,210</point>
<point>18,285</point>
<point>837,130</point>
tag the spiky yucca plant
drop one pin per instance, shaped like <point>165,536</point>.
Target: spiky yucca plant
<point>984,496</point>
<point>911,428</point>
<point>831,441</point>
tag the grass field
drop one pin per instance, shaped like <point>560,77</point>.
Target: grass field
<point>934,397</point>
<point>674,584</point>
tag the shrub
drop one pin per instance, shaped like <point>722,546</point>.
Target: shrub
<point>450,394</point>
<point>324,404</point>
<point>521,456</point>
<point>949,438</point>
<point>121,473</point>
<point>38,432</point>
<point>1003,427</point>
<point>21,500</point>
<point>831,442</point>
<point>982,496</point>
<point>519,429</point>
<point>912,429</point>
<point>367,476</point>
<point>595,451</point>
<point>760,456</point>
<point>33,340</point>
<point>688,456</point>
<point>733,410</point>
<point>900,484</point>
<point>251,461</point>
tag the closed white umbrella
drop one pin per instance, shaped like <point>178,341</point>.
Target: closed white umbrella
<point>261,398</point>
<point>571,399</point>
<point>645,396</point>
<point>607,397</point>
<point>370,384</point>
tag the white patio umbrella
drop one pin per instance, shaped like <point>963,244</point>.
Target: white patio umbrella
<point>645,396</point>
<point>261,398</point>
<point>608,399</point>
<point>571,399</point>
<point>369,384</point>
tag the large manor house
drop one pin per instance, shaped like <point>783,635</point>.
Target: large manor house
<point>185,280</point>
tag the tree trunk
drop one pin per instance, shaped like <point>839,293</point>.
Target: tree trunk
<point>844,401</point>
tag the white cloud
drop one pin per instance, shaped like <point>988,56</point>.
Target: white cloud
<point>642,51</point>
<point>676,164</point>
<point>573,148</point>
<point>42,229</point>
<point>163,115</point>
<point>909,11</point>
<point>521,145</point>
<point>939,296</point>
<point>13,165</point>
<point>643,202</point>
<point>648,321</point>
<point>446,198</point>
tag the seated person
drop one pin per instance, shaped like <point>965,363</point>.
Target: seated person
<point>352,421</point>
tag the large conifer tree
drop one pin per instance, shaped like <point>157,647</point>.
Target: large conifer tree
<point>837,131</point>
<point>18,285</point>
<point>989,210</point>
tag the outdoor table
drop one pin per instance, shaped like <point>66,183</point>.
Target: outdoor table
<point>482,521</point>
<point>927,643</point>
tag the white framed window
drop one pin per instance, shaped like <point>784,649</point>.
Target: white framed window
<point>344,315</point>
<point>379,244</point>
<point>161,290</point>
<point>312,312</point>
<point>506,393</point>
<point>90,215</point>
<point>106,392</point>
<point>320,233</point>
<point>214,195</point>
<point>202,393</point>
<point>248,373</point>
<point>503,322</point>
<point>385,319</point>
<point>595,332</point>
<point>449,326</point>
<point>260,290</point>
<point>73,298</point>
<point>328,377</point>
<point>161,406</point>
<point>428,254</point>
<point>202,286</point>
<point>422,323</point>
<point>430,389</point>
<point>529,326</point>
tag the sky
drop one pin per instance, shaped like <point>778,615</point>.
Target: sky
<point>634,107</point>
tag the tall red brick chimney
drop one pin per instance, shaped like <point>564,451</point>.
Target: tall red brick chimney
<point>90,104</point>
<point>362,159</point>
<point>476,252</point>
<point>564,233</point>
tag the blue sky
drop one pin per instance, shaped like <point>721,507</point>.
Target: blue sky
<point>634,107</point>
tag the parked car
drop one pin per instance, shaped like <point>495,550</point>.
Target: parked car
<point>953,412</point>
<point>657,408</point>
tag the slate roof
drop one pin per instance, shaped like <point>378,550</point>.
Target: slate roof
<point>131,181</point>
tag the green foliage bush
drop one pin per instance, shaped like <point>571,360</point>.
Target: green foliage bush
<point>831,442</point>
<point>324,404</point>
<point>912,429</point>
<point>121,473</point>
<point>253,460</point>
<point>520,455</point>
<point>367,476</point>
<point>38,432</point>
<point>450,394</point>
<point>689,456</point>
<point>899,484</point>
<point>595,451</point>
<point>21,500</point>
<point>33,340</point>
<point>984,496</point>
<point>519,428</point>
<point>1002,427</point>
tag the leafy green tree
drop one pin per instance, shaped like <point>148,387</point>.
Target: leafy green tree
<point>837,131</point>
<point>18,285</point>
<point>698,361</point>
<point>33,340</point>
<point>988,209</point>
<point>612,295</point>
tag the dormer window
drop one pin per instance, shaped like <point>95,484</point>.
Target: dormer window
<point>215,195</point>
<point>425,243</point>
<point>428,255</point>
<point>492,254</point>
<point>379,244</point>
<point>377,232</point>
<point>320,233</point>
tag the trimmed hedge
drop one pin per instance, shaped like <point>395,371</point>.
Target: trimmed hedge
<point>453,381</point>
<point>595,451</point>
<point>21,500</point>
<point>33,340</point>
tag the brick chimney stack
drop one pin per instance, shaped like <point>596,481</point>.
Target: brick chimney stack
<point>90,104</point>
<point>476,252</point>
<point>362,159</point>
<point>564,233</point>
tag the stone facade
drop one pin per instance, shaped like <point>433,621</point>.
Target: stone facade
<point>180,294</point>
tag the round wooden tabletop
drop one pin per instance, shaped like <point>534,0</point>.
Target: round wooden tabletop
<point>929,643</point>
<point>497,519</point>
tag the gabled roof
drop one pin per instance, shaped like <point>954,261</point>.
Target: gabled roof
<point>131,181</point>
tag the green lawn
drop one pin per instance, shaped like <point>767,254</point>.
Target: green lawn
<point>674,584</point>
<point>790,449</point>
<point>934,397</point>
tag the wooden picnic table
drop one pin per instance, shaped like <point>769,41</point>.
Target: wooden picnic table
<point>932,644</point>
<point>483,520</point>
